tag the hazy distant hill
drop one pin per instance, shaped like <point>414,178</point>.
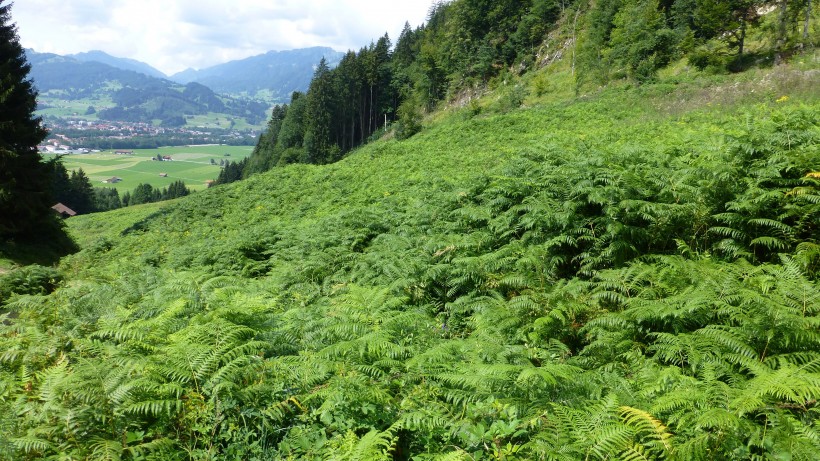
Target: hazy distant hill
<point>131,96</point>
<point>79,78</point>
<point>120,63</point>
<point>273,75</point>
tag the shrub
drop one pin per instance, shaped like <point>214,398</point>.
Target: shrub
<point>29,280</point>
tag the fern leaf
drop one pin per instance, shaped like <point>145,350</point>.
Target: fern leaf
<point>644,422</point>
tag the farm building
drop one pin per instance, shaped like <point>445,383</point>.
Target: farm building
<point>113,180</point>
<point>63,211</point>
<point>163,175</point>
<point>123,152</point>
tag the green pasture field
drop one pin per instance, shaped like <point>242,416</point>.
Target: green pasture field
<point>60,106</point>
<point>74,109</point>
<point>191,164</point>
<point>222,121</point>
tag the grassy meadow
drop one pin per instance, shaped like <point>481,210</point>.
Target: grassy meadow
<point>73,108</point>
<point>191,164</point>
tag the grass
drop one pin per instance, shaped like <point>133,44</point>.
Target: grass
<point>221,121</point>
<point>75,108</point>
<point>191,164</point>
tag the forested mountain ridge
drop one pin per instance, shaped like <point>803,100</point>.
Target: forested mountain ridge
<point>534,274</point>
<point>272,76</point>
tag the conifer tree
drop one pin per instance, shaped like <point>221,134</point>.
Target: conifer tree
<point>319,116</point>
<point>143,193</point>
<point>729,19</point>
<point>59,179</point>
<point>25,199</point>
<point>106,199</point>
<point>175,190</point>
<point>265,154</point>
<point>81,191</point>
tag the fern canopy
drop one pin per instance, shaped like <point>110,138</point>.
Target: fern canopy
<point>565,281</point>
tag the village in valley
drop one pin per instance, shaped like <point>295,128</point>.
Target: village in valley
<point>78,136</point>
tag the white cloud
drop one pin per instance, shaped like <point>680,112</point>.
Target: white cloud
<point>175,35</point>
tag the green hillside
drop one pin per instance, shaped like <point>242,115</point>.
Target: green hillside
<point>572,279</point>
<point>546,270</point>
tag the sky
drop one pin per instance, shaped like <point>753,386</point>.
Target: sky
<point>173,35</point>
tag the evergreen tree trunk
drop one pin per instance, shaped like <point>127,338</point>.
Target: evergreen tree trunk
<point>742,40</point>
<point>370,117</point>
<point>781,32</point>
<point>362,115</point>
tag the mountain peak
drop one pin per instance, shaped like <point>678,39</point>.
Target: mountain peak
<point>119,63</point>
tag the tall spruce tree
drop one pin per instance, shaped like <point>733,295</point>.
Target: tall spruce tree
<point>25,197</point>
<point>82,192</point>
<point>106,199</point>
<point>319,116</point>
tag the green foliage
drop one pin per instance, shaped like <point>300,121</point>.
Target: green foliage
<point>581,279</point>
<point>463,45</point>
<point>409,122</point>
<point>29,280</point>
<point>636,38</point>
<point>641,41</point>
<point>25,201</point>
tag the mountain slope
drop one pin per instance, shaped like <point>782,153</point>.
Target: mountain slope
<point>579,277</point>
<point>119,63</point>
<point>604,249</point>
<point>276,73</point>
<point>79,78</point>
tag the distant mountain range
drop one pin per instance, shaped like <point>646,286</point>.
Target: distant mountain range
<point>127,95</point>
<point>273,75</point>
<point>119,63</point>
<point>130,90</point>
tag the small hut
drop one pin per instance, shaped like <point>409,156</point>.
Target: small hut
<point>64,211</point>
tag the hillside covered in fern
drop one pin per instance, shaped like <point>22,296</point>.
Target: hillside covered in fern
<point>549,271</point>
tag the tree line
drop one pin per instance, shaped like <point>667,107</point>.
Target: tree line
<point>636,38</point>
<point>468,45</point>
<point>76,191</point>
<point>383,85</point>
